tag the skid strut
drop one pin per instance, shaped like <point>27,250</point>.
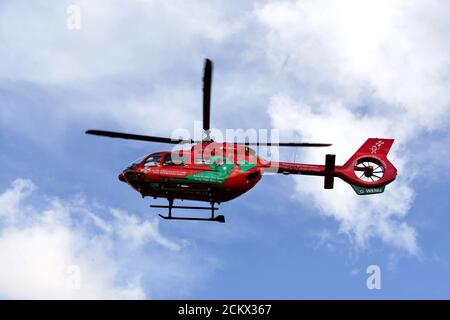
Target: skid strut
<point>219,218</point>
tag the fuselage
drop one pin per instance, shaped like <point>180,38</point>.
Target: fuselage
<point>208,172</point>
<point>219,172</point>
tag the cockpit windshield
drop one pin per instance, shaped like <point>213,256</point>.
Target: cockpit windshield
<point>137,161</point>
<point>153,160</point>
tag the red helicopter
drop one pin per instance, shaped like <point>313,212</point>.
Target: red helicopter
<point>217,172</point>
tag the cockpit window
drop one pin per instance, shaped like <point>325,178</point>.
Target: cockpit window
<point>153,160</point>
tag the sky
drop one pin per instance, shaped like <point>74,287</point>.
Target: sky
<point>320,71</point>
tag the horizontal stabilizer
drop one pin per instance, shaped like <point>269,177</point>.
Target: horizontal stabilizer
<point>364,190</point>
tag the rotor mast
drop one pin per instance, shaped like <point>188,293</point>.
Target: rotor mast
<point>207,81</point>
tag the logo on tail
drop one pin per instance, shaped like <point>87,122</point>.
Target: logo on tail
<point>376,146</point>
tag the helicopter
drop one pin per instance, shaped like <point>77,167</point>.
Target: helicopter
<point>216,172</point>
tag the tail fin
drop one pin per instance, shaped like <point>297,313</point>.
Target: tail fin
<point>373,147</point>
<point>368,171</point>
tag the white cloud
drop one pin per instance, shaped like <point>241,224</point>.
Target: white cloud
<point>370,69</point>
<point>130,228</point>
<point>128,61</point>
<point>362,217</point>
<point>363,50</point>
<point>10,200</point>
<point>45,251</point>
<point>115,38</point>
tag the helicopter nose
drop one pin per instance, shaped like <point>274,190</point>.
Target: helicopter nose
<point>121,177</point>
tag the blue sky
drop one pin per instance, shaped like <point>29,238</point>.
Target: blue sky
<point>315,70</point>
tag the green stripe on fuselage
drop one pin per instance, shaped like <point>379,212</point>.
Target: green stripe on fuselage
<point>218,173</point>
<point>245,166</point>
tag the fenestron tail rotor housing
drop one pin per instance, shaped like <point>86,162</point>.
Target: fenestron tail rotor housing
<point>369,170</point>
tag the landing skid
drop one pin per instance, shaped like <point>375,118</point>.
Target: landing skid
<point>219,218</point>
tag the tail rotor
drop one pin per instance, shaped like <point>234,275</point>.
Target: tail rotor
<point>368,171</point>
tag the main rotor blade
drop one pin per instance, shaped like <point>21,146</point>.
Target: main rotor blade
<point>286,144</point>
<point>113,134</point>
<point>129,136</point>
<point>207,79</point>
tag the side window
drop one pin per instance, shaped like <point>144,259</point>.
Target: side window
<point>174,159</point>
<point>153,160</point>
<point>168,160</point>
